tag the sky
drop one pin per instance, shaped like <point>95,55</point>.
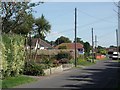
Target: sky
<point>101,16</point>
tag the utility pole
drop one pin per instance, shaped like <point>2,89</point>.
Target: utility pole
<point>117,40</point>
<point>95,45</point>
<point>119,24</point>
<point>75,36</point>
<point>92,47</point>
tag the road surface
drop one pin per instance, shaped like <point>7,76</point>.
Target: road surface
<point>104,74</point>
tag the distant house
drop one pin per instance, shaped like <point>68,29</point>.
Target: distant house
<point>71,46</point>
<point>37,43</point>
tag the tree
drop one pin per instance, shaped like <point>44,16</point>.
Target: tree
<point>25,27</point>
<point>62,39</point>
<point>101,50</point>
<point>14,15</point>
<point>43,27</point>
<point>87,48</point>
<point>52,43</point>
<point>79,40</point>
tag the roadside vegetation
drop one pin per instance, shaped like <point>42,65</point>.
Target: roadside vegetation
<point>11,82</point>
<point>18,25</point>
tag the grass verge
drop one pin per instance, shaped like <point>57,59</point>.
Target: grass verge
<point>15,81</point>
<point>85,62</point>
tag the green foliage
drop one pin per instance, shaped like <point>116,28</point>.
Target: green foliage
<point>83,62</point>
<point>87,49</point>
<point>46,60</point>
<point>17,16</point>
<point>101,50</point>
<point>26,26</point>
<point>13,55</point>
<point>79,40</point>
<point>15,81</point>
<point>62,39</point>
<point>62,55</point>
<point>3,61</point>
<point>32,68</point>
<point>43,27</point>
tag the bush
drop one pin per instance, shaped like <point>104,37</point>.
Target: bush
<point>55,63</point>
<point>64,61</point>
<point>34,69</point>
<point>62,55</point>
<point>13,56</point>
<point>3,62</point>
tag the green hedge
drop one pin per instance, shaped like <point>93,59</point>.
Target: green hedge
<point>12,54</point>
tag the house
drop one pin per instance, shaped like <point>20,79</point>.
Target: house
<point>71,46</point>
<point>37,43</point>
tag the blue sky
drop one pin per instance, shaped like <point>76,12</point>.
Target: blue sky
<point>98,15</point>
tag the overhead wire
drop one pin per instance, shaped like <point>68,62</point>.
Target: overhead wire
<point>83,26</point>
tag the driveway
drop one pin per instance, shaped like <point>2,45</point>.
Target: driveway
<point>104,74</point>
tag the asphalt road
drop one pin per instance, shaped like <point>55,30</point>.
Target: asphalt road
<point>104,74</point>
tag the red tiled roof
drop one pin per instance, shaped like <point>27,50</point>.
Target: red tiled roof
<point>70,45</point>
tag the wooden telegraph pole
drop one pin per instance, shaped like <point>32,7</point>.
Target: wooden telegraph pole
<point>75,36</point>
<point>95,46</point>
<point>117,40</point>
<point>92,47</point>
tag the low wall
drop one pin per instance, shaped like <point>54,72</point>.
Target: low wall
<point>53,70</point>
<point>58,69</point>
<point>67,66</point>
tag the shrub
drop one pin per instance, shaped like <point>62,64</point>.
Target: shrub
<point>12,54</point>
<point>32,68</point>
<point>64,61</point>
<point>46,60</point>
<point>62,55</point>
<point>3,62</point>
<point>55,63</point>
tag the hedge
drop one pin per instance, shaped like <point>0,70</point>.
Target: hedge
<point>12,54</point>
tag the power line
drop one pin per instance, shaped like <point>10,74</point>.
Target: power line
<point>83,26</point>
<point>94,16</point>
<point>105,35</point>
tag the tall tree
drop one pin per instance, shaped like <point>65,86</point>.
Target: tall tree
<point>62,39</point>
<point>43,27</point>
<point>87,48</point>
<point>79,40</point>
<point>13,14</point>
<point>25,27</point>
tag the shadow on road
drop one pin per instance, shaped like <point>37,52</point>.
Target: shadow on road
<point>99,77</point>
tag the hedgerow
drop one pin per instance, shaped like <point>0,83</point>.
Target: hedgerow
<point>12,55</point>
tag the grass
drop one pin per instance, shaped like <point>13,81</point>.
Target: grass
<point>15,81</point>
<point>84,62</point>
<point>119,61</point>
<point>81,62</point>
